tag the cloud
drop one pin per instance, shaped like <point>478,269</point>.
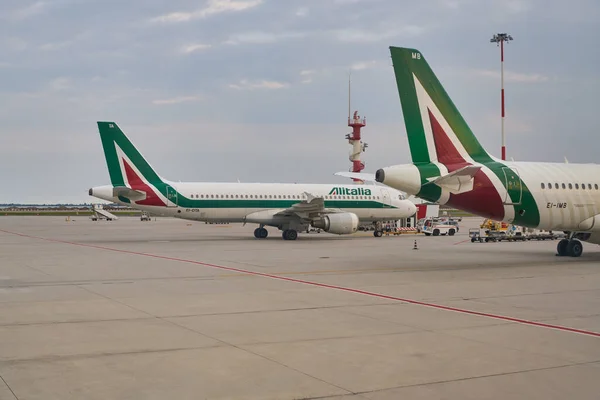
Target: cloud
<point>53,46</point>
<point>191,48</point>
<point>175,100</point>
<point>302,12</point>
<point>213,7</point>
<point>26,12</point>
<point>368,36</point>
<point>347,1</point>
<point>518,6</point>
<point>13,44</point>
<point>307,75</point>
<point>357,66</point>
<point>245,84</point>
<point>258,37</point>
<point>60,84</point>
<point>510,76</point>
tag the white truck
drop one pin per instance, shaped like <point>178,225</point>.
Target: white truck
<point>145,216</point>
<point>434,227</point>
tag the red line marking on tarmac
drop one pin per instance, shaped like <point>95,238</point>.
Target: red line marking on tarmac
<point>323,285</point>
<point>462,241</point>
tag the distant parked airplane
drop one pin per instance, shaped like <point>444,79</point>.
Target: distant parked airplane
<point>291,208</point>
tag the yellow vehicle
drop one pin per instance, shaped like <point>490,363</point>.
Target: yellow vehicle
<point>494,226</point>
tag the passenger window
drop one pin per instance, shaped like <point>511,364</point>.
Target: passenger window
<point>556,185</point>
<point>543,186</point>
<point>583,186</point>
<point>596,186</point>
<point>590,186</point>
<point>577,186</point>
<point>570,186</point>
<point>564,186</point>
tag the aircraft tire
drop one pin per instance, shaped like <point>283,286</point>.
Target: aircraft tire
<point>289,234</point>
<point>561,248</point>
<point>261,233</point>
<point>574,248</point>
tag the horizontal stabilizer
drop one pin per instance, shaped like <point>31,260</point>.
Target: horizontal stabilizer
<point>363,176</point>
<point>459,181</point>
<point>133,195</point>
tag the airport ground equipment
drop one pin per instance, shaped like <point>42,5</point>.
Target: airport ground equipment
<point>145,216</point>
<point>513,233</point>
<point>475,235</point>
<point>400,231</point>
<point>98,212</point>
<point>492,225</point>
<point>435,227</point>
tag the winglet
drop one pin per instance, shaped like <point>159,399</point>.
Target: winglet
<point>309,197</point>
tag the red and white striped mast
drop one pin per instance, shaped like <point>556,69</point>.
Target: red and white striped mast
<point>354,138</point>
<point>499,39</point>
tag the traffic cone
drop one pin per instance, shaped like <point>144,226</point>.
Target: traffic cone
<point>415,246</point>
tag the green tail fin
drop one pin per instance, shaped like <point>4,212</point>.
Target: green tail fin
<point>121,154</point>
<point>423,97</point>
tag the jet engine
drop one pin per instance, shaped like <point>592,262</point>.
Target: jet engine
<point>338,223</point>
<point>588,237</point>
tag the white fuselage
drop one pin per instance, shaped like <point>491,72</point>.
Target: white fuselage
<point>567,195</point>
<point>233,202</point>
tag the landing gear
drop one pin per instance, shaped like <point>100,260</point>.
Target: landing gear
<point>569,247</point>
<point>261,233</point>
<point>289,234</point>
<point>378,232</point>
<point>574,248</point>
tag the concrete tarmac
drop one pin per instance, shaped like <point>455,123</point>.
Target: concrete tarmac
<point>171,309</point>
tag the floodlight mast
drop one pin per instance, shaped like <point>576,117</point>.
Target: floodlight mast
<point>499,39</point>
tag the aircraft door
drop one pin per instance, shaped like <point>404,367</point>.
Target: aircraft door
<point>386,197</point>
<point>514,186</point>
<point>171,196</point>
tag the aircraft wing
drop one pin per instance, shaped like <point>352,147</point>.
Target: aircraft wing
<point>311,207</point>
<point>459,181</point>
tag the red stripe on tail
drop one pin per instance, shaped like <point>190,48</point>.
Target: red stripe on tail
<point>137,183</point>
<point>484,199</point>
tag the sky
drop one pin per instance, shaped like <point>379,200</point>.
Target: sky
<point>257,90</point>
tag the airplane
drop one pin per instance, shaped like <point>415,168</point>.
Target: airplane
<point>449,166</point>
<point>290,207</point>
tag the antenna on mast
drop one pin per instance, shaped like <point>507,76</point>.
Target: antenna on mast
<point>354,138</point>
<point>349,93</point>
